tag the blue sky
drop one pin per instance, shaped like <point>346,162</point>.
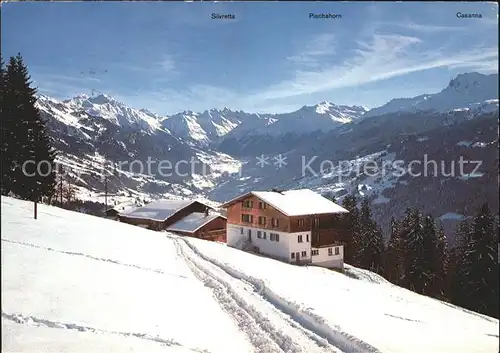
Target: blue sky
<point>170,57</point>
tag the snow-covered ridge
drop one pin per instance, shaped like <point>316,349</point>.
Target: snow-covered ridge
<point>118,113</point>
<point>323,117</point>
<point>107,127</point>
<point>472,92</point>
<point>466,91</point>
<point>200,128</point>
<point>71,111</point>
<point>203,127</point>
<point>211,125</point>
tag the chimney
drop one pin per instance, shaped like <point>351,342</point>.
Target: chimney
<point>277,190</point>
<point>206,211</point>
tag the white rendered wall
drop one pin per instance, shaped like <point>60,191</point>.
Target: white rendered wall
<point>276,249</point>
<point>233,235</point>
<point>330,261</point>
<point>295,246</point>
<point>289,242</point>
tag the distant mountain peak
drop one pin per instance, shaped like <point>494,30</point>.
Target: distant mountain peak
<point>323,107</point>
<point>78,98</point>
<point>82,96</point>
<point>463,91</point>
<point>188,112</point>
<point>106,107</point>
<point>471,75</point>
<point>103,99</point>
<point>149,112</point>
<point>466,78</point>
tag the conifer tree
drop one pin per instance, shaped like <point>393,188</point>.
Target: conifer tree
<point>371,244</point>
<point>351,248</point>
<point>2,86</point>
<point>374,253</point>
<point>4,163</point>
<point>414,251</point>
<point>456,270</point>
<point>393,267</point>
<point>13,132</point>
<point>441,265</point>
<point>364,228</point>
<point>30,158</point>
<point>462,234</point>
<point>349,203</point>
<point>480,291</point>
<point>431,265</point>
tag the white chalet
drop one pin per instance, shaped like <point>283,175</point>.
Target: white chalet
<point>296,226</point>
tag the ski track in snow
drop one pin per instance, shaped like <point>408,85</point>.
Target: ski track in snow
<point>401,318</point>
<point>92,257</point>
<point>487,318</point>
<point>38,322</point>
<point>263,335</point>
<point>302,317</point>
<point>298,328</point>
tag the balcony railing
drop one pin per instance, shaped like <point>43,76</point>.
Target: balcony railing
<point>214,234</point>
<point>321,237</point>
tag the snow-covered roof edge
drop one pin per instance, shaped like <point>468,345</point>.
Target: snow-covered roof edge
<point>156,220</point>
<point>215,216</point>
<point>255,193</point>
<point>235,199</point>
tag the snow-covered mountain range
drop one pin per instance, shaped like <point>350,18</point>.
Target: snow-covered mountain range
<point>207,127</point>
<point>322,117</point>
<point>465,91</point>
<point>94,134</point>
<point>470,91</point>
<point>212,125</point>
<point>99,136</point>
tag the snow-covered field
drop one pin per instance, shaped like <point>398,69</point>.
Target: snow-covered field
<point>78,283</point>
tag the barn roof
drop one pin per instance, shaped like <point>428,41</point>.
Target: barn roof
<point>192,222</point>
<point>158,210</point>
<point>294,202</point>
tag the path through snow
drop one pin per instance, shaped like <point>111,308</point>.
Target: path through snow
<point>272,324</point>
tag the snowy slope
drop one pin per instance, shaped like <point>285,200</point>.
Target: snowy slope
<point>77,283</point>
<point>463,92</point>
<point>367,314</point>
<point>72,282</point>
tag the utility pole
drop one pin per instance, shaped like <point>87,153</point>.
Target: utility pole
<point>105,195</point>
<point>61,189</point>
<point>69,188</point>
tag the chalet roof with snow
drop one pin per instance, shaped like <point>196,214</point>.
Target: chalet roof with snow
<point>294,202</point>
<point>192,222</point>
<point>159,210</point>
<point>112,211</point>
